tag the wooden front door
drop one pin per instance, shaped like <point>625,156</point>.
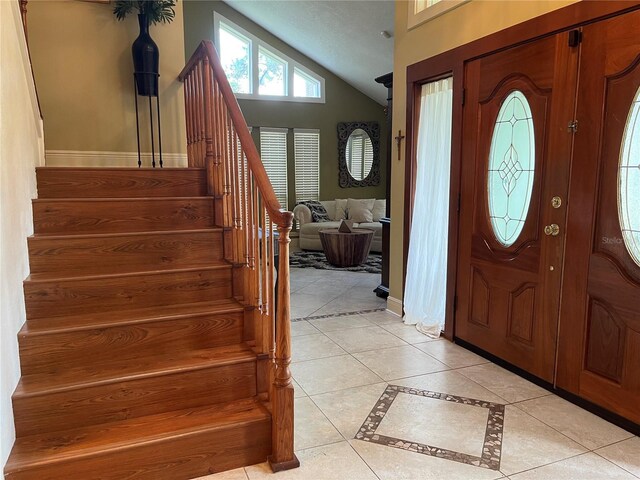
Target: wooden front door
<point>599,343</point>
<point>515,160</point>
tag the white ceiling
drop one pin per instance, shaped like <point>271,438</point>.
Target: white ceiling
<point>342,36</point>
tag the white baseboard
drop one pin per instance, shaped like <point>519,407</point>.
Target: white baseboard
<point>394,306</point>
<point>76,158</point>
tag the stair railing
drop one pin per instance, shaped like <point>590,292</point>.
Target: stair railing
<point>256,228</point>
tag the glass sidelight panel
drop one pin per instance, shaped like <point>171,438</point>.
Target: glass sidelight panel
<point>629,181</point>
<point>511,168</point>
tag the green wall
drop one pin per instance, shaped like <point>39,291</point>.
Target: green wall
<point>343,102</point>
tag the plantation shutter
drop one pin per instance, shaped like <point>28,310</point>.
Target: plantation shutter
<point>273,150</point>
<point>306,145</point>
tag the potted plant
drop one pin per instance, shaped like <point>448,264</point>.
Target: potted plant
<point>146,56</point>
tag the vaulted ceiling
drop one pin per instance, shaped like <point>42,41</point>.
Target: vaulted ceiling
<point>342,36</point>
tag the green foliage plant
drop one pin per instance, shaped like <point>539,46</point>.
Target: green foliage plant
<point>157,11</point>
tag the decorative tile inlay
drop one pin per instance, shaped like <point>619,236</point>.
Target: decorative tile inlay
<point>341,314</point>
<point>491,449</point>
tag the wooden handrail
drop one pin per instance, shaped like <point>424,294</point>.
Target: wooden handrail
<point>246,206</point>
<point>280,216</point>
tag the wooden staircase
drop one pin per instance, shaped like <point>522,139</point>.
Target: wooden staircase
<point>153,348</point>
<point>134,346</point>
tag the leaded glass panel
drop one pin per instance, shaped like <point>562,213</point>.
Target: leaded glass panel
<point>629,181</point>
<point>511,168</point>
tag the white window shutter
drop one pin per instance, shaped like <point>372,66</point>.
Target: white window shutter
<point>306,145</point>
<point>273,151</point>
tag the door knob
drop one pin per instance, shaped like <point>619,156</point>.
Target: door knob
<point>552,230</point>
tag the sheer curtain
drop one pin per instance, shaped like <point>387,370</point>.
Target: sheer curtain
<point>425,289</point>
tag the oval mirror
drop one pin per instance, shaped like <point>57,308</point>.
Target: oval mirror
<point>511,168</point>
<point>359,154</point>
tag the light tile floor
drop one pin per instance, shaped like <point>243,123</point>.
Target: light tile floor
<point>343,364</point>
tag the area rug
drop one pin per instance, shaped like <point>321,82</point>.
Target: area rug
<point>319,261</point>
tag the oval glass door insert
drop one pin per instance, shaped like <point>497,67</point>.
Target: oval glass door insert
<point>511,168</point>
<point>629,181</point>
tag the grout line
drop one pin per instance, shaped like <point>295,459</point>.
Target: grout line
<point>342,435</point>
<point>546,464</point>
<point>612,462</point>
<point>514,404</point>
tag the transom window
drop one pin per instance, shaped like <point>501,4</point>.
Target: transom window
<point>421,11</point>
<point>256,70</point>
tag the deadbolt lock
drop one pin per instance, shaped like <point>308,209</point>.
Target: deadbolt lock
<point>552,230</point>
<point>556,202</point>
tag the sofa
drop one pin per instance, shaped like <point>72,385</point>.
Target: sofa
<point>349,209</point>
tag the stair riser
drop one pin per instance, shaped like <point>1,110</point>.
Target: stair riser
<point>97,255</point>
<point>59,351</point>
<point>192,456</point>
<point>118,216</point>
<point>77,296</point>
<point>134,398</point>
<point>108,183</point>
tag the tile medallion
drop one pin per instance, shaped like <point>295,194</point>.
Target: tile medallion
<point>492,446</point>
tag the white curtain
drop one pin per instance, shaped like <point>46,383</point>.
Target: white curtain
<point>425,288</point>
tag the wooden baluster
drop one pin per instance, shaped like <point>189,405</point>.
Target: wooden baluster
<point>256,245</point>
<point>232,195</point>
<point>187,111</point>
<point>282,457</point>
<point>250,233</point>
<point>197,106</point>
<point>264,284</point>
<point>208,127</point>
<point>237,197</point>
<point>221,115</point>
<point>272,292</point>
<point>245,222</point>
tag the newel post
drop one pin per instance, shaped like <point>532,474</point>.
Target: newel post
<point>282,456</point>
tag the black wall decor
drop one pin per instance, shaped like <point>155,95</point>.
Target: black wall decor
<point>345,179</point>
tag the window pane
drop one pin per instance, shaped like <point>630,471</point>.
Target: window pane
<point>422,4</point>
<point>304,85</point>
<point>272,73</point>
<point>306,145</point>
<point>235,55</point>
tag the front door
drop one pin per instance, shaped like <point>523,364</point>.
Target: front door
<point>515,167</point>
<point>599,351</point>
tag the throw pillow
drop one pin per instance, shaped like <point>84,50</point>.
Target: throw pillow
<point>360,210</point>
<point>318,212</point>
<point>379,209</point>
<point>341,209</point>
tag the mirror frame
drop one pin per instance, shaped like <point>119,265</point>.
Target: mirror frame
<point>345,179</point>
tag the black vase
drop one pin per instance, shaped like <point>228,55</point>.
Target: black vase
<point>146,60</point>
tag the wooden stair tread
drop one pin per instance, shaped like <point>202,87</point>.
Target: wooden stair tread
<point>115,199</point>
<point>54,236</point>
<point>43,449</point>
<point>116,371</point>
<point>46,277</point>
<point>105,319</point>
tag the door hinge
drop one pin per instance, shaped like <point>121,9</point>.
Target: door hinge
<point>575,38</point>
<point>459,200</point>
<point>455,303</point>
<point>572,127</point>
<point>464,95</point>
